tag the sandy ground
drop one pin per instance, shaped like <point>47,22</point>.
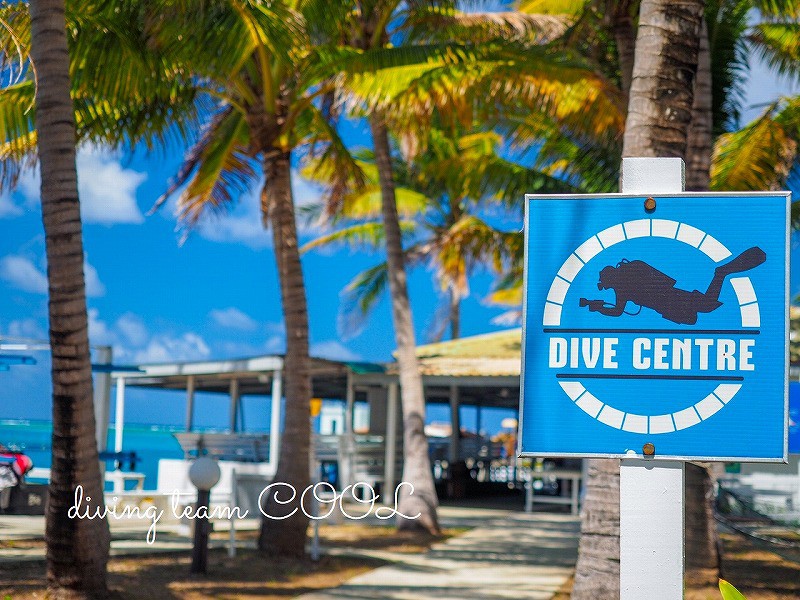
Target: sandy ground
<point>759,572</point>
<point>249,575</point>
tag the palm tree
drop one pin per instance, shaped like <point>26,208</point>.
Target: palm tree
<point>40,59</point>
<point>502,47</point>
<point>258,62</point>
<point>77,549</point>
<point>440,198</point>
<point>233,79</point>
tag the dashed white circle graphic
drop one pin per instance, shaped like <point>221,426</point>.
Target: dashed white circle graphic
<point>663,228</point>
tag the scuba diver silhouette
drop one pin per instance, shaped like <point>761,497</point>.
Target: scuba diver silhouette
<point>636,281</point>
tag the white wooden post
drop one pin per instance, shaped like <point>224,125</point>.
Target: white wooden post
<point>102,403</point>
<point>275,417</point>
<point>102,399</point>
<point>651,492</point>
<point>455,428</point>
<point>189,403</point>
<point>389,474</point>
<point>119,426</point>
<point>347,440</point>
<point>233,504</point>
<point>233,392</point>
<point>119,415</point>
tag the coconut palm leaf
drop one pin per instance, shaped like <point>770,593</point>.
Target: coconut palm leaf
<point>433,23</point>
<point>761,155</point>
<point>360,235</point>
<point>553,7</point>
<point>216,171</point>
<point>16,130</point>
<point>778,44</point>
<point>358,299</point>
<point>727,28</point>
<point>779,9</point>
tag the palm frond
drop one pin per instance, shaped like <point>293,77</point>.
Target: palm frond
<point>216,170</point>
<point>17,131</point>
<point>368,235</point>
<point>434,23</point>
<point>727,25</point>
<point>358,299</point>
<point>779,9</point>
<point>759,156</point>
<point>778,44</point>
<point>552,7</point>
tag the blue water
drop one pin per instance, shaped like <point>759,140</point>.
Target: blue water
<point>150,442</point>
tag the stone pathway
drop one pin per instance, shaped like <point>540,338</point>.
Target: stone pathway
<point>516,555</point>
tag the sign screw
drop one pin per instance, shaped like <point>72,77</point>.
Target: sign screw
<point>649,449</point>
<point>650,204</point>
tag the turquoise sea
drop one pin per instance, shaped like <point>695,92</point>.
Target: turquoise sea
<point>150,442</point>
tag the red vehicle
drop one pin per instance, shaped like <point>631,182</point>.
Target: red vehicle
<point>13,466</point>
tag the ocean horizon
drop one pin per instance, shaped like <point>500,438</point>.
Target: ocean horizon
<point>150,442</point>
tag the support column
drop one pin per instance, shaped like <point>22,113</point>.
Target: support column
<point>275,417</point>
<point>389,474</point>
<point>119,415</point>
<point>233,391</point>
<point>102,399</point>
<point>455,422</point>
<point>189,403</point>
<point>347,443</point>
<point>119,426</point>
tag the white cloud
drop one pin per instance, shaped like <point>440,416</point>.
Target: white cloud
<point>23,274</point>
<point>107,189</point>
<point>333,350</point>
<point>99,331</point>
<point>132,330</point>
<point>94,287</point>
<point>242,223</point>
<point>132,342</point>
<point>20,272</point>
<point>165,348</point>
<point>27,328</point>
<point>8,208</point>
<point>233,318</point>
<point>275,345</point>
<point>28,186</point>
<point>305,192</point>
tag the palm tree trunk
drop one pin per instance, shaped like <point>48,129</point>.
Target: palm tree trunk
<point>701,529</point>
<point>597,570</point>
<point>662,88</point>
<point>625,38</point>
<point>659,113</point>
<point>701,537</point>
<point>700,137</point>
<point>416,462</point>
<point>455,314</point>
<point>287,537</point>
<point>77,549</point>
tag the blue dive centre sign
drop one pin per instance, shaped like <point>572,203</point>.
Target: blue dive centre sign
<point>665,326</point>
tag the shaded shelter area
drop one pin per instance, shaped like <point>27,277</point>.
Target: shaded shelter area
<point>359,436</point>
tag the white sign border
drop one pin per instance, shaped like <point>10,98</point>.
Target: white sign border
<point>633,453</point>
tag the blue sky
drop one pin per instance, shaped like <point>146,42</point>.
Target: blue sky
<point>214,296</point>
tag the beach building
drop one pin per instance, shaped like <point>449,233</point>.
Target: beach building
<point>360,425</point>
<point>360,422</point>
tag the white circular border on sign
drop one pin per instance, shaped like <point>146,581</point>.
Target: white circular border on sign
<point>663,228</point>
